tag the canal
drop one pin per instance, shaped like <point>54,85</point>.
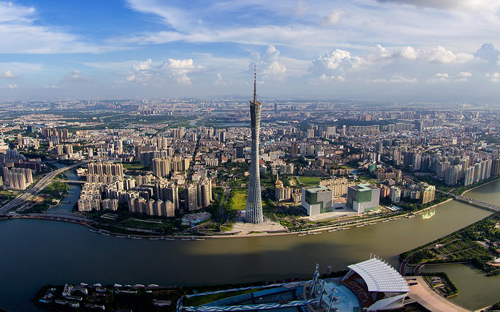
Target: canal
<point>73,192</point>
<point>36,252</point>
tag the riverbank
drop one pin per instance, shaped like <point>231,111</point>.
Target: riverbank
<point>136,233</point>
<point>471,189</point>
<point>472,244</point>
<point>342,226</point>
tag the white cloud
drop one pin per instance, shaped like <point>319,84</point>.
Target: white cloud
<point>407,53</point>
<point>465,74</point>
<point>8,74</point>
<point>394,66</point>
<point>335,63</point>
<point>448,4</point>
<point>10,86</point>
<point>51,87</point>
<point>21,32</point>
<point>269,65</point>
<point>332,18</point>
<point>150,72</point>
<point>495,77</point>
<point>76,76</point>
<point>433,55</point>
<point>171,15</point>
<point>488,53</point>
<point>326,79</point>
<point>143,65</point>
<point>369,23</point>
<point>445,77</point>
<point>379,53</point>
<point>301,8</point>
<point>10,12</point>
<point>19,67</point>
<point>218,81</point>
<point>178,64</point>
<point>396,79</point>
<point>441,55</point>
<point>179,69</point>
<point>131,78</point>
<point>114,66</point>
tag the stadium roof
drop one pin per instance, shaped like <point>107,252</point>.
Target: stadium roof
<point>380,276</point>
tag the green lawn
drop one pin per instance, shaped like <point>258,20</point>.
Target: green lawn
<point>310,181</point>
<point>239,201</point>
<point>133,166</point>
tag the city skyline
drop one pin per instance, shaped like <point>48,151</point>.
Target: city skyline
<point>393,50</point>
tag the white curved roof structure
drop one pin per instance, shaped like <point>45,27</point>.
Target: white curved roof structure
<point>388,303</point>
<point>380,276</point>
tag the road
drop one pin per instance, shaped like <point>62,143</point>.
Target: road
<point>31,192</point>
<point>222,209</point>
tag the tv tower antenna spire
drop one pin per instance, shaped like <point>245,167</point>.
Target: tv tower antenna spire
<point>255,83</point>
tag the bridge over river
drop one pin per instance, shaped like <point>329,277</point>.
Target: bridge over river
<point>472,201</point>
<point>476,202</point>
<point>72,181</point>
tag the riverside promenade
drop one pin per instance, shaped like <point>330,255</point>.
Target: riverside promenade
<point>428,298</point>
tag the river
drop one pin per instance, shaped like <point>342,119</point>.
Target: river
<point>73,192</point>
<point>36,252</point>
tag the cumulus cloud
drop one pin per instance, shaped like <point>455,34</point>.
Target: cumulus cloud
<point>268,64</point>
<point>8,74</point>
<point>488,53</point>
<point>179,69</point>
<point>51,87</point>
<point>335,63</point>
<point>445,77</point>
<point>143,65</point>
<point>326,79</point>
<point>332,18</point>
<point>440,77</point>
<point>76,76</point>
<point>433,55</point>
<point>10,86</point>
<point>171,69</point>
<point>441,55</point>
<point>495,77</point>
<point>218,81</point>
<point>393,65</point>
<point>396,79</point>
<point>407,53</point>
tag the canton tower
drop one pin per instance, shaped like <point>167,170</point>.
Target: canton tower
<point>254,199</point>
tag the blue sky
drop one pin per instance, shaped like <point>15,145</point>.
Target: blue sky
<point>396,50</point>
